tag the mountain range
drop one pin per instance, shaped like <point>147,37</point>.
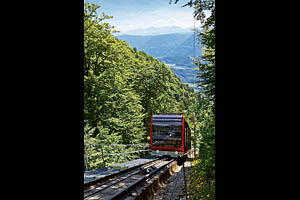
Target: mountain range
<point>175,49</point>
<point>157,31</point>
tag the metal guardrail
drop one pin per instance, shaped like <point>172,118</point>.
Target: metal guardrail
<point>101,151</point>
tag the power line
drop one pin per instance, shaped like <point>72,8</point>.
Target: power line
<point>194,38</point>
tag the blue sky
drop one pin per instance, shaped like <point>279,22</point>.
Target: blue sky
<point>141,14</point>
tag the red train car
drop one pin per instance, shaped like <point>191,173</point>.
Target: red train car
<point>170,135</point>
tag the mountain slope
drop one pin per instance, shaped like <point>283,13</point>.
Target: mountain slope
<point>180,55</point>
<point>160,45</point>
<point>173,49</point>
<point>138,41</point>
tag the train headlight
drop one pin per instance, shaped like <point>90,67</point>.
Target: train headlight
<point>176,152</point>
<point>157,151</point>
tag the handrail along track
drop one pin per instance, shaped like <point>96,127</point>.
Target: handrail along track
<point>127,180</point>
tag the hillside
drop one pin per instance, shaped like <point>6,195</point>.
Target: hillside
<point>173,49</point>
<point>124,87</point>
<point>138,41</point>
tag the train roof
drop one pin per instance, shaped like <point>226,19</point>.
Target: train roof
<point>167,116</point>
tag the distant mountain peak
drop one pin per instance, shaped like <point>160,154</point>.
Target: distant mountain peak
<point>157,30</point>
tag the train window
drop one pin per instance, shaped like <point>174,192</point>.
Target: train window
<point>166,134</point>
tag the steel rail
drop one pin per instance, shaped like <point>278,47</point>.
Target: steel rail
<point>99,180</point>
<point>114,183</point>
<point>146,166</point>
<point>127,190</point>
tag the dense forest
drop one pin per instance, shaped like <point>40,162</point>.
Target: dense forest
<point>203,178</point>
<point>124,86</point>
<point>174,49</point>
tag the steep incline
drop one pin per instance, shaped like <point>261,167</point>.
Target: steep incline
<point>173,49</point>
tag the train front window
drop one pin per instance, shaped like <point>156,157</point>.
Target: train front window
<point>167,134</point>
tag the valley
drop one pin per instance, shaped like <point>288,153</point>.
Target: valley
<point>175,50</point>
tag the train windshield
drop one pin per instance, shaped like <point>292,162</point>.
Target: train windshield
<point>166,133</point>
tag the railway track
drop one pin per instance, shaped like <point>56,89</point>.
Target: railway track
<point>121,184</point>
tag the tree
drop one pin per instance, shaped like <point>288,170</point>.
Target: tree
<point>110,101</point>
<point>124,87</point>
<point>203,177</point>
<point>206,62</point>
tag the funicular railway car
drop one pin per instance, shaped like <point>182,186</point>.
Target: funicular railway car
<point>170,135</point>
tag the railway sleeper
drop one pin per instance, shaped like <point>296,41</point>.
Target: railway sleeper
<point>148,189</point>
<point>148,169</point>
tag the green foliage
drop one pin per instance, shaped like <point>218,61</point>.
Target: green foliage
<point>123,87</point>
<point>206,62</point>
<point>203,176</point>
<point>110,101</point>
<point>205,168</point>
<point>169,48</point>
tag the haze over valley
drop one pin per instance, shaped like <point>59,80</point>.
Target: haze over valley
<point>174,49</point>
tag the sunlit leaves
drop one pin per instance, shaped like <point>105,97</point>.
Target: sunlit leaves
<point>123,87</point>
<point>203,177</point>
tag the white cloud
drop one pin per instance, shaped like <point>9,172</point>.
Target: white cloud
<point>172,20</point>
<point>154,18</point>
<point>125,28</point>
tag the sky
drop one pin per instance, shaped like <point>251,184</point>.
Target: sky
<point>129,15</point>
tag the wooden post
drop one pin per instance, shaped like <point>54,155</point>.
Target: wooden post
<point>124,152</point>
<point>102,155</point>
<point>139,151</point>
<point>86,162</point>
<point>195,141</point>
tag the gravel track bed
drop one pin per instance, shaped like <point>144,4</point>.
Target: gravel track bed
<point>174,189</point>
